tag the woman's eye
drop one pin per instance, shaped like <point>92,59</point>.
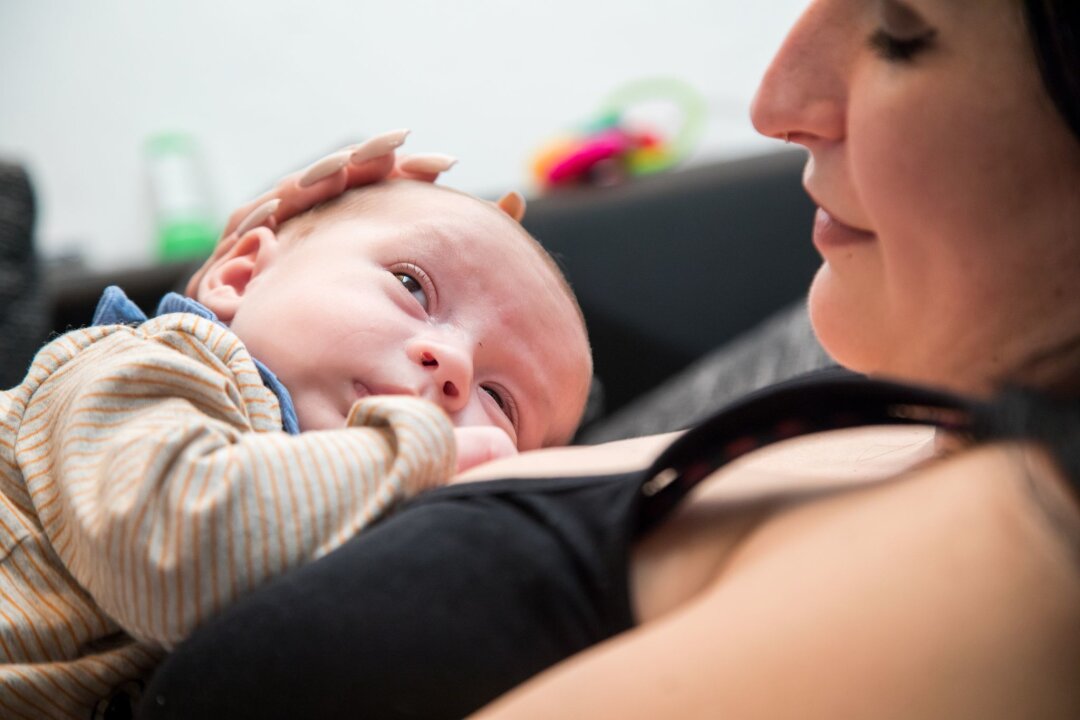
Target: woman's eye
<point>415,288</point>
<point>902,32</point>
<point>896,49</point>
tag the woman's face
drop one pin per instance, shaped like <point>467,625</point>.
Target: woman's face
<point>949,186</point>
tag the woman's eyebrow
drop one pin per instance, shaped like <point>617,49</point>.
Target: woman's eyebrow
<point>900,17</point>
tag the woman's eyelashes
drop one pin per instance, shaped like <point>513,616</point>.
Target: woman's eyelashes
<point>902,32</point>
<point>896,49</point>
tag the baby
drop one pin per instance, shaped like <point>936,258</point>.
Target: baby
<point>153,470</point>
<point>405,288</point>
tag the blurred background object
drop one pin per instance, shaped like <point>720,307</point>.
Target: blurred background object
<point>184,225</point>
<point>629,137</point>
<point>267,86</point>
<point>23,322</point>
<point>143,123</point>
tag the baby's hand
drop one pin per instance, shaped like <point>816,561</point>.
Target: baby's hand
<point>479,444</point>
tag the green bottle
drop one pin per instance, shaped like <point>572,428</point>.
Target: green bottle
<point>183,219</point>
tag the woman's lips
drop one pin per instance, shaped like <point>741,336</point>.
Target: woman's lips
<point>830,232</point>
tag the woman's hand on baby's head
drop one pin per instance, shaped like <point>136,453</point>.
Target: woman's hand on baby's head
<point>356,165</point>
<point>478,444</point>
<point>366,163</point>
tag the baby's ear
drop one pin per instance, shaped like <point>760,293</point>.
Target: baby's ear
<point>224,283</point>
<point>513,204</point>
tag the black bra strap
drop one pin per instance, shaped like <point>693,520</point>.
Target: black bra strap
<point>829,400</point>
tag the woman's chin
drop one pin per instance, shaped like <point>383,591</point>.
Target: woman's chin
<point>842,324</point>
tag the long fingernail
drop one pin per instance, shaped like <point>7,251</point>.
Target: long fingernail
<point>324,168</point>
<point>513,204</point>
<point>257,216</point>
<point>377,146</point>
<point>428,163</point>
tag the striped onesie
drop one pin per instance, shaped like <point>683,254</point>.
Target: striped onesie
<point>145,483</point>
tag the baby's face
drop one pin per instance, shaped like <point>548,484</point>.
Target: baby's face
<point>425,292</point>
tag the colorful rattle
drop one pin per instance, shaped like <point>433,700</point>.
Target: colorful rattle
<point>611,148</point>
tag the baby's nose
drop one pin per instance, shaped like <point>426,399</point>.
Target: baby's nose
<point>449,370</point>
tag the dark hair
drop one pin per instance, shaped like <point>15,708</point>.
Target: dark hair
<point>1054,26</point>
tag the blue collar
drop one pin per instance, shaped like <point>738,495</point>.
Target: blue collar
<point>115,308</point>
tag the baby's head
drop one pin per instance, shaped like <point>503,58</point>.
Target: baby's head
<point>410,288</point>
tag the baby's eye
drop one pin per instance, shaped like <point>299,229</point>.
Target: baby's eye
<point>503,401</point>
<point>414,287</point>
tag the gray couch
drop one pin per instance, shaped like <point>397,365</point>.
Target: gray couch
<point>692,284</point>
<point>23,324</point>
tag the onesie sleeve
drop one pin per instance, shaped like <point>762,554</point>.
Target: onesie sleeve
<point>155,461</point>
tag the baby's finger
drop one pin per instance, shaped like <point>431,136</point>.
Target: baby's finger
<point>480,444</point>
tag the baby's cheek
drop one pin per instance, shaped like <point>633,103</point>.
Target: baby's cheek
<point>479,444</point>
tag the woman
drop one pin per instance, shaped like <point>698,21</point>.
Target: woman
<point>944,142</point>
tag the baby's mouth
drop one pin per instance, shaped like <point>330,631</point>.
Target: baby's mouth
<point>361,389</point>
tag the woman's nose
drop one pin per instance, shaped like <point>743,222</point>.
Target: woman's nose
<point>448,370</point>
<point>803,95</point>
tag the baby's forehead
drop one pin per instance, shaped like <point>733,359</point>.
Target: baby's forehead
<point>408,196</point>
<point>448,217</point>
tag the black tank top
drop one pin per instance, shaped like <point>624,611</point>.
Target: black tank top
<point>471,589</point>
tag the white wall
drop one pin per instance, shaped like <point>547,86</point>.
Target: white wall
<point>266,86</point>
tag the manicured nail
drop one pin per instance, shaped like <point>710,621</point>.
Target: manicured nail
<point>257,216</point>
<point>324,168</point>
<point>378,146</point>
<point>513,204</point>
<point>428,163</point>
